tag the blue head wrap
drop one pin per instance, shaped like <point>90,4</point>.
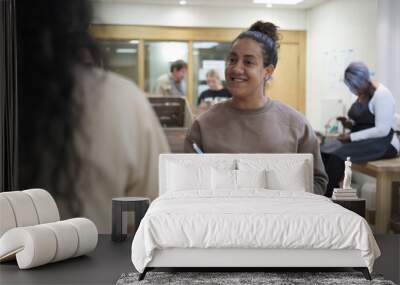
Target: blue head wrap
<point>356,76</point>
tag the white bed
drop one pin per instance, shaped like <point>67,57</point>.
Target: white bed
<point>247,210</point>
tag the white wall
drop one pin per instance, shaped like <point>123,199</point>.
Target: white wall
<point>388,46</point>
<point>338,31</point>
<point>189,16</point>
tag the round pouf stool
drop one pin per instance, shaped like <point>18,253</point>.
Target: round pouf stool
<point>120,209</point>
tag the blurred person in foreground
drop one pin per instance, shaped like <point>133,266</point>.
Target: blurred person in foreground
<point>85,134</point>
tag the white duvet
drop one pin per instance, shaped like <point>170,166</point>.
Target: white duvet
<point>250,218</point>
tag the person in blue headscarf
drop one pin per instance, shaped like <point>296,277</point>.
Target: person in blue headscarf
<point>371,120</point>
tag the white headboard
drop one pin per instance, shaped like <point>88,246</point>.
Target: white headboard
<point>210,159</point>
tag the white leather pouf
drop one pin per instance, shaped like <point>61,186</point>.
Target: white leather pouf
<point>40,244</point>
<point>23,208</point>
<point>45,205</point>
<point>33,246</point>
<point>26,208</point>
<point>7,218</point>
<point>67,240</point>
<point>32,233</point>
<point>87,234</point>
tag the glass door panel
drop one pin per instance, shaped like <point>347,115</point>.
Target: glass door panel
<point>122,57</point>
<point>158,57</point>
<point>206,56</point>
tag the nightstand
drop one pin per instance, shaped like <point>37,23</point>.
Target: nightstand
<point>355,205</point>
<point>120,209</point>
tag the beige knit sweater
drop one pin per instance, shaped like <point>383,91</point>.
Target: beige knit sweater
<point>119,141</point>
<point>274,128</point>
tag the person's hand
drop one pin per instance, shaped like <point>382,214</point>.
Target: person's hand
<point>202,107</point>
<point>344,138</point>
<point>347,123</point>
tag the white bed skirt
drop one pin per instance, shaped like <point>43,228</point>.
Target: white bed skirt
<point>190,257</point>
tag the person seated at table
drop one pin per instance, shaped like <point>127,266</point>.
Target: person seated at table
<point>216,92</point>
<point>251,122</point>
<point>371,120</point>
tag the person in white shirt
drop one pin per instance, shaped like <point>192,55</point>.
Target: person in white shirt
<point>371,122</point>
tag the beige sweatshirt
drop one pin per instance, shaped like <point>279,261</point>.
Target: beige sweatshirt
<point>119,141</point>
<point>274,128</point>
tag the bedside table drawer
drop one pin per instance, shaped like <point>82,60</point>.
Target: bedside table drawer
<point>357,205</point>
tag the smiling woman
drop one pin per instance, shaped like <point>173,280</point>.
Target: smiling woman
<point>250,64</point>
<point>251,122</point>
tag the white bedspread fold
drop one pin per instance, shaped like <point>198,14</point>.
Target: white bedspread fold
<point>250,218</point>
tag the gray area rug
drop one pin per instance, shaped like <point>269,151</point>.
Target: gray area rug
<point>229,278</point>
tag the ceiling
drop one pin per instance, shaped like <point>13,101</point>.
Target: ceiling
<point>306,4</point>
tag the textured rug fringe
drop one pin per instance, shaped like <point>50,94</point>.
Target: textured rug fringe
<point>244,278</point>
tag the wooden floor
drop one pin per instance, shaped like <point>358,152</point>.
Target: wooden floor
<point>106,264</point>
<point>389,262</point>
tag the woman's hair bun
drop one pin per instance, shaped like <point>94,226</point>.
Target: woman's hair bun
<point>266,28</point>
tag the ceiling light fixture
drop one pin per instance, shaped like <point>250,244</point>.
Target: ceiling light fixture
<point>269,5</point>
<point>126,50</point>
<point>205,45</point>
<point>278,2</point>
<point>182,2</point>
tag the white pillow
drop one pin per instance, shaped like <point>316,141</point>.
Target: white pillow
<point>281,173</point>
<point>236,179</point>
<point>251,178</point>
<point>293,180</point>
<point>223,179</point>
<point>181,177</point>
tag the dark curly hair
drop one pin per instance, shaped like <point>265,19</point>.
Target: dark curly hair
<point>266,34</point>
<point>53,37</point>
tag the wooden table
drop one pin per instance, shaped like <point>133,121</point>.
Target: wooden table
<point>386,171</point>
